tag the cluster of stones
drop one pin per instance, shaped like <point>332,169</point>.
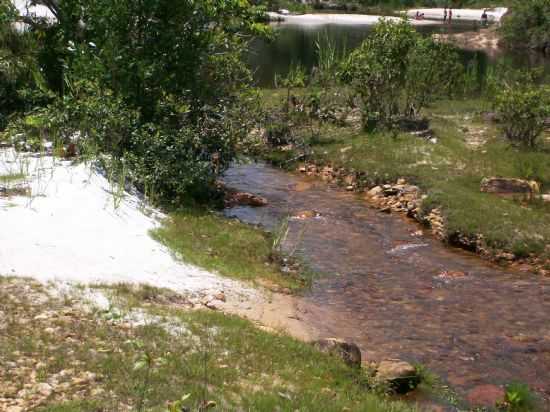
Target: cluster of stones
<point>402,197</point>
<point>398,375</point>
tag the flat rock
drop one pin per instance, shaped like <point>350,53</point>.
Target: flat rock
<point>400,375</point>
<point>375,191</point>
<point>508,186</point>
<point>347,351</point>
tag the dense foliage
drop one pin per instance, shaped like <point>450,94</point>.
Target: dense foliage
<point>522,105</point>
<point>528,25</point>
<point>396,72</point>
<point>158,86</point>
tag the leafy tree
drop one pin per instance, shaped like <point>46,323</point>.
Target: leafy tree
<point>156,85</point>
<point>396,72</point>
<point>528,25</point>
<point>522,106</point>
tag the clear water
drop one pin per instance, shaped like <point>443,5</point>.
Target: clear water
<point>397,294</point>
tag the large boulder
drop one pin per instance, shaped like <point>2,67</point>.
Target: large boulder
<point>509,186</point>
<point>349,352</point>
<point>401,376</point>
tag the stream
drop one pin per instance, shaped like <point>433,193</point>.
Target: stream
<point>398,292</point>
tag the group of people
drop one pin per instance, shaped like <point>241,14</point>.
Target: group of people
<point>447,15</point>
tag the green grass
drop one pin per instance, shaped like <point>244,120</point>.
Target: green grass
<point>212,357</point>
<point>232,248</point>
<point>449,171</point>
<point>519,398</point>
<point>12,177</point>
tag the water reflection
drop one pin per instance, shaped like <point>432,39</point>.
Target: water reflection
<point>295,44</point>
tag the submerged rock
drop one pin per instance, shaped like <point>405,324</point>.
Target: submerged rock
<point>244,199</point>
<point>347,351</point>
<point>401,376</point>
<point>486,396</point>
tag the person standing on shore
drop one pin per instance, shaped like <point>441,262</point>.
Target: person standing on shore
<point>450,16</point>
<point>484,18</point>
<point>445,15</point>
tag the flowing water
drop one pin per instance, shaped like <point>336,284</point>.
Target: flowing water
<point>393,292</point>
<point>399,293</point>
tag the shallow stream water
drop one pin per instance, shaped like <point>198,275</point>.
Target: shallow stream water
<point>392,290</point>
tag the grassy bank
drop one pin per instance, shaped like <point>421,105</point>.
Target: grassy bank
<point>233,249</point>
<point>448,169</point>
<point>59,356</point>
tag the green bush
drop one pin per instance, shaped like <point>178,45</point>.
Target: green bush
<point>528,25</point>
<point>522,107</point>
<point>154,85</point>
<point>396,72</point>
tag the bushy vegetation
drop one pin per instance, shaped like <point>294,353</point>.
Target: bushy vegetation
<point>528,25</point>
<point>396,72</point>
<point>523,106</point>
<point>157,88</point>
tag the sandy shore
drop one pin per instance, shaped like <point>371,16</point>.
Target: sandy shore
<point>486,40</point>
<point>322,18</point>
<point>494,15</point>
<point>72,230</point>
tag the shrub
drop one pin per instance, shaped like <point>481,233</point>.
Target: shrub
<point>396,72</point>
<point>528,25</point>
<point>522,107</point>
<point>519,398</point>
<point>156,86</point>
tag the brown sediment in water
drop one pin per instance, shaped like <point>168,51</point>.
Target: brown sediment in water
<point>399,293</point>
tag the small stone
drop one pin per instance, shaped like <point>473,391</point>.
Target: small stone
<point>400,375</point>
<point>375,191</point>
<point>214,304</point>
<point>348,351</point>
<point>220,296</point>
<point>44,389</point>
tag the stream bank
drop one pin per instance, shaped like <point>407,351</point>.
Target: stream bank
<point>398,292</point>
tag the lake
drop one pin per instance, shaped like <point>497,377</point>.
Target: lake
<point>295,44</point>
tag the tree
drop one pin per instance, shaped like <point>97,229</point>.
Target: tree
<point>396,72</point>
<point>522,107</point>
<point>528,25</point>
<point>172,70</point>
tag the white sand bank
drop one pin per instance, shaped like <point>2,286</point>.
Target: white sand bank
<point>322,18</point>
<point>70,230</point>
<point>27,8</point>
<point>493,14</point>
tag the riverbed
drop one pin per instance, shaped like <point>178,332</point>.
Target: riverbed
<point>398,292</point>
